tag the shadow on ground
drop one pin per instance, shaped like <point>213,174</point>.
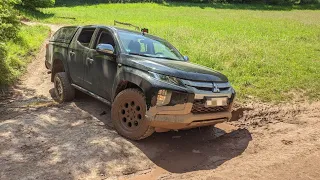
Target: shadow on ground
<point>259,7</point>
<point>195,149</point>
<point>34,13</point>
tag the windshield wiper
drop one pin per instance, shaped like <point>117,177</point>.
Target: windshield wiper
<point>138,54</point>
<point>165,58</point>
<point>144,55</point>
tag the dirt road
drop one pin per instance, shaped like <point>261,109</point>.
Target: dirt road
<point>41,139</point>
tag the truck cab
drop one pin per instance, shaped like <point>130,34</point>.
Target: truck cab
<point>148,83</point>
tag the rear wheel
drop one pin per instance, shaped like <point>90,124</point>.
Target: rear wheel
<point>63,89</point>
<point>128,115</point>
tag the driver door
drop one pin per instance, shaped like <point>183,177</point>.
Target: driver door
<point>100,69</point>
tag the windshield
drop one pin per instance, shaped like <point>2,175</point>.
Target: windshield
<point>138,44</point>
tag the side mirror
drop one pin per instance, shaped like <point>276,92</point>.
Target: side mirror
<point>186,58</point>
<point>105,49</point>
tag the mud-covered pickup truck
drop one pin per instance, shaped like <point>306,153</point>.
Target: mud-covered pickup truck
<point>148,83</point>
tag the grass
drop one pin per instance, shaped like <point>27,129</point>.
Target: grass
<point>267,52</point>
<point>20,51</point>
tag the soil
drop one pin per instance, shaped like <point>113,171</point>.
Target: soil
<point>41,139</point>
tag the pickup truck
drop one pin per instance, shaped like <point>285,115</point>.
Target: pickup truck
<point>148,83</point>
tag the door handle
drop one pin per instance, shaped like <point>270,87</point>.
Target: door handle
<point>90,60</point>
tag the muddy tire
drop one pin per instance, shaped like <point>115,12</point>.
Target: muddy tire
<point>62,88</point>
<point>128,115</point>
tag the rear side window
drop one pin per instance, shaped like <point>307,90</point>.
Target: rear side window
<point>64,34</point>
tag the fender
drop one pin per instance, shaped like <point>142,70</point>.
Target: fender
<point>57,56</point>
<point>144,81</point>
<point>135,76</point>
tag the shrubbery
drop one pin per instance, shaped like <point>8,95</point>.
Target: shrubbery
<point>9,26</point>
<point>16,44</point>
<point>271,2</point>
<point>37,3</point>
<point>8,20</point>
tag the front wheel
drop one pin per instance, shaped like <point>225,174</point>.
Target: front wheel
<point>128,115</point>
<point>62,87</point>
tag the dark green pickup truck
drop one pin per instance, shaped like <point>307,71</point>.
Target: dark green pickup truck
<point>148,83</point>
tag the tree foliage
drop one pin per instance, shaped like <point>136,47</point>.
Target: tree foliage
<point>9,24</point>
<point>37,3</point>
<point>271,2</point>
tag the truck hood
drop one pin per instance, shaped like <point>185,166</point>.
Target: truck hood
<point>179,69</point>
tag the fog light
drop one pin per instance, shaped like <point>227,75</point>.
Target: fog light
<point>163,97</point>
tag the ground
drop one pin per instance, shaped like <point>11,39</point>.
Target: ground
<point>41,139</point>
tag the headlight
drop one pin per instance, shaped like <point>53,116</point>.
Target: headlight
<point>163,97</point>
<point>165,78</point>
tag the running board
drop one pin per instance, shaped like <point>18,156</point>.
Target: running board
<point>92,94</point>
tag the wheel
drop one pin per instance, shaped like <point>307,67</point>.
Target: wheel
<point>128,115</point>
<point>62,87</point>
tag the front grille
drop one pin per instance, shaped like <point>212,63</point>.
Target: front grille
<point>211,88</point>
<point>208,86</point>
<point>199,107</point>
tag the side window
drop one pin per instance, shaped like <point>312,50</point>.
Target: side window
<point>105,38</point>
<point>64,34</point>
<point>85,36</point>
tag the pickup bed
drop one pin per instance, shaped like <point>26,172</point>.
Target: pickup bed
<point>148,83</point>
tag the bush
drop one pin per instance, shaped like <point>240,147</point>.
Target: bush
<point>272,2</point>
<point>282,2</point>
<point>37,3</point>
<point>309,1</point>
<point>9,24</point>
<point>16,53</point>
<point>4,70</point>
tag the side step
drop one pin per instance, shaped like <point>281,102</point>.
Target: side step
<point>92,94</point>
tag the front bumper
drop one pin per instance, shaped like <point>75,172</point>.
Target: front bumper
<point>184,116</point>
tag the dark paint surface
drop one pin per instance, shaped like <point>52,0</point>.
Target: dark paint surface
<point>179,69</point>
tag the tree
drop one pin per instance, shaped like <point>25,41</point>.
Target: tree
<point>37,3</point>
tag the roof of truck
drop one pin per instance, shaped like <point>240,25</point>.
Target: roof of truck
<point>114,29</point>
<point>119,29</point>
<point>111,27</point>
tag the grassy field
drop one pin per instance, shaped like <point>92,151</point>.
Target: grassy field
<point>267,52</point>
<point>19,52</point>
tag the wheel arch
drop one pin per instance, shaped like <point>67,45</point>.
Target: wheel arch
<point>59,64</point>
<point>132,78</point>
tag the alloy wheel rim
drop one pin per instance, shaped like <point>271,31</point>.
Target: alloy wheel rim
<point>131,115</point>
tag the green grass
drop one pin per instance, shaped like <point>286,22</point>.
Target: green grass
<point>19,52</point>
<point>266,52</point>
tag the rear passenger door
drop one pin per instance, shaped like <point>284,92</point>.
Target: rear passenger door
<point>78,50</point>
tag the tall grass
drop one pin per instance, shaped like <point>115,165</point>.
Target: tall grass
<point>265,53</point>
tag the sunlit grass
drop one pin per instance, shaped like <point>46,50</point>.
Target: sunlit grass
<point>20,51</point>
<point>264,53</point>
